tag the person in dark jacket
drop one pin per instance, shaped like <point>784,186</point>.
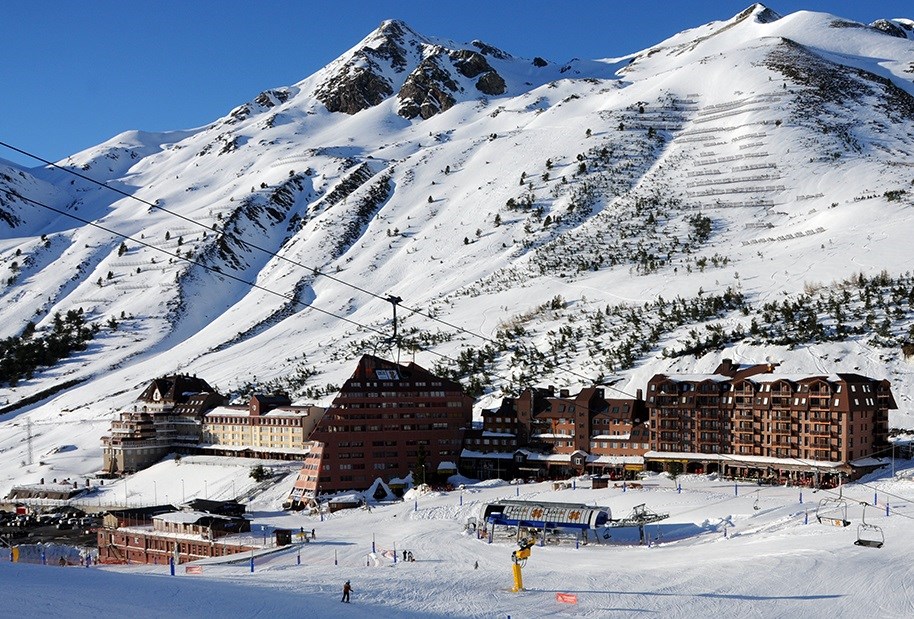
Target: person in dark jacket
<point>346,589</point>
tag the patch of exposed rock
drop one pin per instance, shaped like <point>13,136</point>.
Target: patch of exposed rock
<point>356,90</point>
<point>359,84</point>
<point>892,29</point>
<point>427,90</point>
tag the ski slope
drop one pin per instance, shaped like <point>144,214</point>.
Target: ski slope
<point>768,564</point>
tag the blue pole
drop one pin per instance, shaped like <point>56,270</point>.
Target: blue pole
<point>735,490</point>
<point>395,552</point>
<point>416,505</point>
<point>252,563</point>
<point>298,560</point>
<point>44,558</point>
<point>516,490</point>
<point>801,497</point>
<point>335,558</point>
<point>461,499</point>
<point>886,508</point>
<point>372,543</point>
<point>679,488</point>
<point>623,485</point>
<point>171,565</point>
<point>574,484</point>
<point>577,542</point>
<point>805,517</point>
<point>875,499</point>
<point>322,516</point>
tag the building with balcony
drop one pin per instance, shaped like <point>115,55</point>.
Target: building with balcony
<point>543,435</point>
<point>754,422</point>
<point>267,427</point>
<point>387,421</point>
<point>166,418</point>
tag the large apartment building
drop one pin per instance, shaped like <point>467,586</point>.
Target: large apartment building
<point>267,427</point>
<point>755,422</point>
<point>166,418</point>
<point>541,434</point>
<point>387,421</point>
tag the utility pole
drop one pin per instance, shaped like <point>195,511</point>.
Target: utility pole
<point>28,439</point>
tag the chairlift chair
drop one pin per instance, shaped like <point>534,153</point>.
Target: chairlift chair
<point>833,511</point>
<point>869,535</point>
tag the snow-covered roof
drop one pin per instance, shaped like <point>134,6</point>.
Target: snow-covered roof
<point>694,378</point>
<point>287,412</point>
<point>741,459</point>
<point>771,378</point>
<point>615,460</point>
<point>188,517</point>
<point>611,437</point>
<point>489,434</point>
<point>447,465</point>
<point>347,498</point>
<point>229,411</point>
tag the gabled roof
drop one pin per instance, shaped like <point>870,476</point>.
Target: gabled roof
<point>174,389</point>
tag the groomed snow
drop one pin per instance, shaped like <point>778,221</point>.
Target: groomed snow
<point>769,563</point>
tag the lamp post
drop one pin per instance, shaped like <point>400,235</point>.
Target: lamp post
<point>205,490</point>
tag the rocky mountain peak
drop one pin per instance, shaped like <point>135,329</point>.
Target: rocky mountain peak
<point>435,74</point>
<point>763,14</point>
<point>895,28</point>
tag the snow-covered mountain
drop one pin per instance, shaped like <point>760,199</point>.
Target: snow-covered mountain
<point>741,189</point>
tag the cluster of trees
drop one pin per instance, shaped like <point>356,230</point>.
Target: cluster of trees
<point>21,355</point>
<point>880,307</point>
<point>601,341</point>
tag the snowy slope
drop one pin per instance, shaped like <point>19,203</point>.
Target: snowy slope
<point>723,551</point>
<point>558,214</point>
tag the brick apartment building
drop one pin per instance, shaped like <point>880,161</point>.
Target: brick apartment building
<point>753,422</point>
<point>387,420</point>
<point>539,434</point>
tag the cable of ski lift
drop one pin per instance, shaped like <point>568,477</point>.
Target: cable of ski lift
<point>220,273</point>
<point>314,270</point>
<point>249,244</point>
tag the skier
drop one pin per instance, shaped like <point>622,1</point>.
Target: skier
<point>312,533</point>
<point>476,565</point>
<point>346,589</point>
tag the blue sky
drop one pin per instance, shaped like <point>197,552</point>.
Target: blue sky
<point>74,74</point>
